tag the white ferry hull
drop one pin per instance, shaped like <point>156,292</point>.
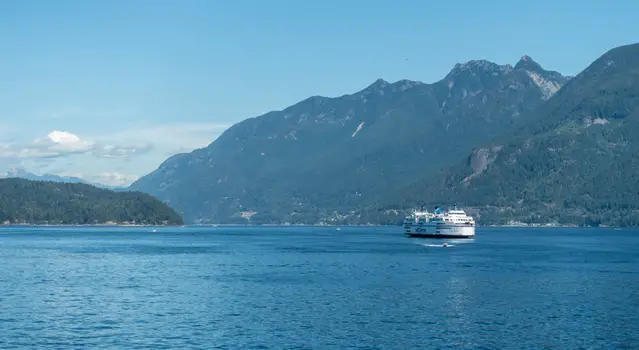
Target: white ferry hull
<point>440,231</point>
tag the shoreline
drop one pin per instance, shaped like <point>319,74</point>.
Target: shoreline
<point>291,225</point>
<point>88,225</point>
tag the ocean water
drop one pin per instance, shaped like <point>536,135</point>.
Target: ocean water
<point>317,288</point>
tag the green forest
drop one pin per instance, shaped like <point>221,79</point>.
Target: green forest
<point>55,203</point>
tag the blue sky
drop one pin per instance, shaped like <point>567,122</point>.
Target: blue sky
<point>107,90</point>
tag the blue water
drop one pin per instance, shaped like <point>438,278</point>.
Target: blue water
<point>317,288</point>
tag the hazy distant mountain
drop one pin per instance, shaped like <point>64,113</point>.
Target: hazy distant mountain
<point>323,158</point>
<point>23,174</point>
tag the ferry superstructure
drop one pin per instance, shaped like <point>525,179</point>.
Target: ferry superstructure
<point>454,223</point>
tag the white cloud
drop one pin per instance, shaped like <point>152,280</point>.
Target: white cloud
<point>112,151</point>
<point>175,138</point>
<point>104,178</point>
<point>108,156</point>
<point>62,143</point>
<point>57,143</point>
<point>114,179</point>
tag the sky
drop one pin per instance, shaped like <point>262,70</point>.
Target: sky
<point>107,90</point>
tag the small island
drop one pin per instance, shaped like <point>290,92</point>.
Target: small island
<point>27,202</point>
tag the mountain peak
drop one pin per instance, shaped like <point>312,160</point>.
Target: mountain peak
<point>378,84</point>
<point>526,62</point>
<point>476,66</point>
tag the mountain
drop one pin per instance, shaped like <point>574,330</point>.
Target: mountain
<point>574,162</point>
<point>23,174</point>
<point>322,158</point>
<point>42,202</point>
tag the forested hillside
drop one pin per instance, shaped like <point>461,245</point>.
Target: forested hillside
<point>576,162</point>
<point>324,159</point>
<point>47,202</point>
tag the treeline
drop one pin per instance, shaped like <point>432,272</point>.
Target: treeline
<point>45,202</point>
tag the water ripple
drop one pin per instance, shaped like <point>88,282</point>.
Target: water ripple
<point>303,288</point>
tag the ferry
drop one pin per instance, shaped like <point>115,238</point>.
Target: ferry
<point>454,223</point>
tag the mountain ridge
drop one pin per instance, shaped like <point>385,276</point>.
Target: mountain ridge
<point>24,174</point>
<point>287,165</point>
<point>572,164</point>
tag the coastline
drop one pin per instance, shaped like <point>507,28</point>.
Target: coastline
<point>112,224</point>
<point>90,225</point>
